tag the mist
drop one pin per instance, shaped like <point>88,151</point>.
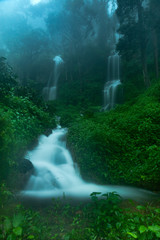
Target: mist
<point>33,32</point>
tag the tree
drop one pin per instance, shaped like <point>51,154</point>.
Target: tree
<point>7,78</point>
<point>133,31</point>
<point>154,23</point>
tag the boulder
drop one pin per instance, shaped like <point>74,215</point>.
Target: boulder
<point>25,166</point>
<point>48,132</point>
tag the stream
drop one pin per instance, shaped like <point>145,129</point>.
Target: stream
<point>56,175</point>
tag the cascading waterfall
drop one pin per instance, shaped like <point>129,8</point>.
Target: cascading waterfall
<point>50,91</point>
<point>113,81</point>
<point>55,174</point>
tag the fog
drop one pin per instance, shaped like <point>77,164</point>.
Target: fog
<point>33,32</point>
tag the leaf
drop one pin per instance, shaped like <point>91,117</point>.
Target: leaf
<point>30,237</point>
<point>17,231</point>
<point>95,193</point>
<point>66,237</point>
<point>157,210</point>
<point>132,234</point>
<point>11,237</point>
<point>7,224</point>
<point>140,207</point>
<point>17,220</point>
<point>158,234</point>
<point>142,229</point>
<point>154,228</point>
<point>118,224</point>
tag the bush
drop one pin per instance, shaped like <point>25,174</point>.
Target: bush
<point>21,122</point>
<point>121,146</point>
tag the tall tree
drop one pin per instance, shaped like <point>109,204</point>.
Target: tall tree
<point>154,23</point>
<point>133,30</point>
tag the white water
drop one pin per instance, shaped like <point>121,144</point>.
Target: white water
<point>113,81</point>
<point>55,174</point>
<point>50,91</point>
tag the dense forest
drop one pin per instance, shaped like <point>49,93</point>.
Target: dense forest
<point>89,69</point>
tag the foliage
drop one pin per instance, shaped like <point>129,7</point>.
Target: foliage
<point>5,195</point>
<point>66,115</point>
<point>21,122</point>
<point>7,77</point>
<point>120,146</point>
<point>23,224</point>
<point>104,217</point>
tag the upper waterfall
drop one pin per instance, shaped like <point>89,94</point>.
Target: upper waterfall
<point>50,92</point>
<point>113,81</point>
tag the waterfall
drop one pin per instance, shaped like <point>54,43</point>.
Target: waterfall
<point>56,175</point>
<point>113,81</point>
<point>50,91</point>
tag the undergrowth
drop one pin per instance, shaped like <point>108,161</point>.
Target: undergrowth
<point>121,146</point>
<point>104,217</point>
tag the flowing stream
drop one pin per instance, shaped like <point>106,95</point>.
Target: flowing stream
<point>56,175</point>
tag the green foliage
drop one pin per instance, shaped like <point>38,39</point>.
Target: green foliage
<point>5,195</point>
<point>12,227</point>
<point>66,115</point>
<point>6,132</point>
<point>121,146</point>
<point>7,77</point>
<point>105,216</point>
<point>24,224</point>
<point>21,122</point>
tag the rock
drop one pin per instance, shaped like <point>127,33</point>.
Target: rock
<point>32,144</point>
<point>26,169</point>
<point>62,138</point>
<point>48,132</point>
<point>26,166</point>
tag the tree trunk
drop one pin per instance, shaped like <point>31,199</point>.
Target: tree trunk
<point>144,66</point>
<point>143,43</point>
<point>79,76</point>
<point>156,53</point>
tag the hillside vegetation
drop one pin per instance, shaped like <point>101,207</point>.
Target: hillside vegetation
<point>120,146</point>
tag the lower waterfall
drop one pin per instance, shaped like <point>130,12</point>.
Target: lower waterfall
<point>55,174</point>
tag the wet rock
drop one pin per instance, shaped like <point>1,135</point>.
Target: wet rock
<point>26,166</point>
<point>26,169</point>
<point>33,144</point>
<point>48,132</point>
<point>62,138</point>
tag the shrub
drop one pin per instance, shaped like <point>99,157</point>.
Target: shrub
<point>121,146</point>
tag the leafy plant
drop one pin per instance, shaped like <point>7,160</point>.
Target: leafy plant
<point>12,228</point>
<point>120,146</point>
